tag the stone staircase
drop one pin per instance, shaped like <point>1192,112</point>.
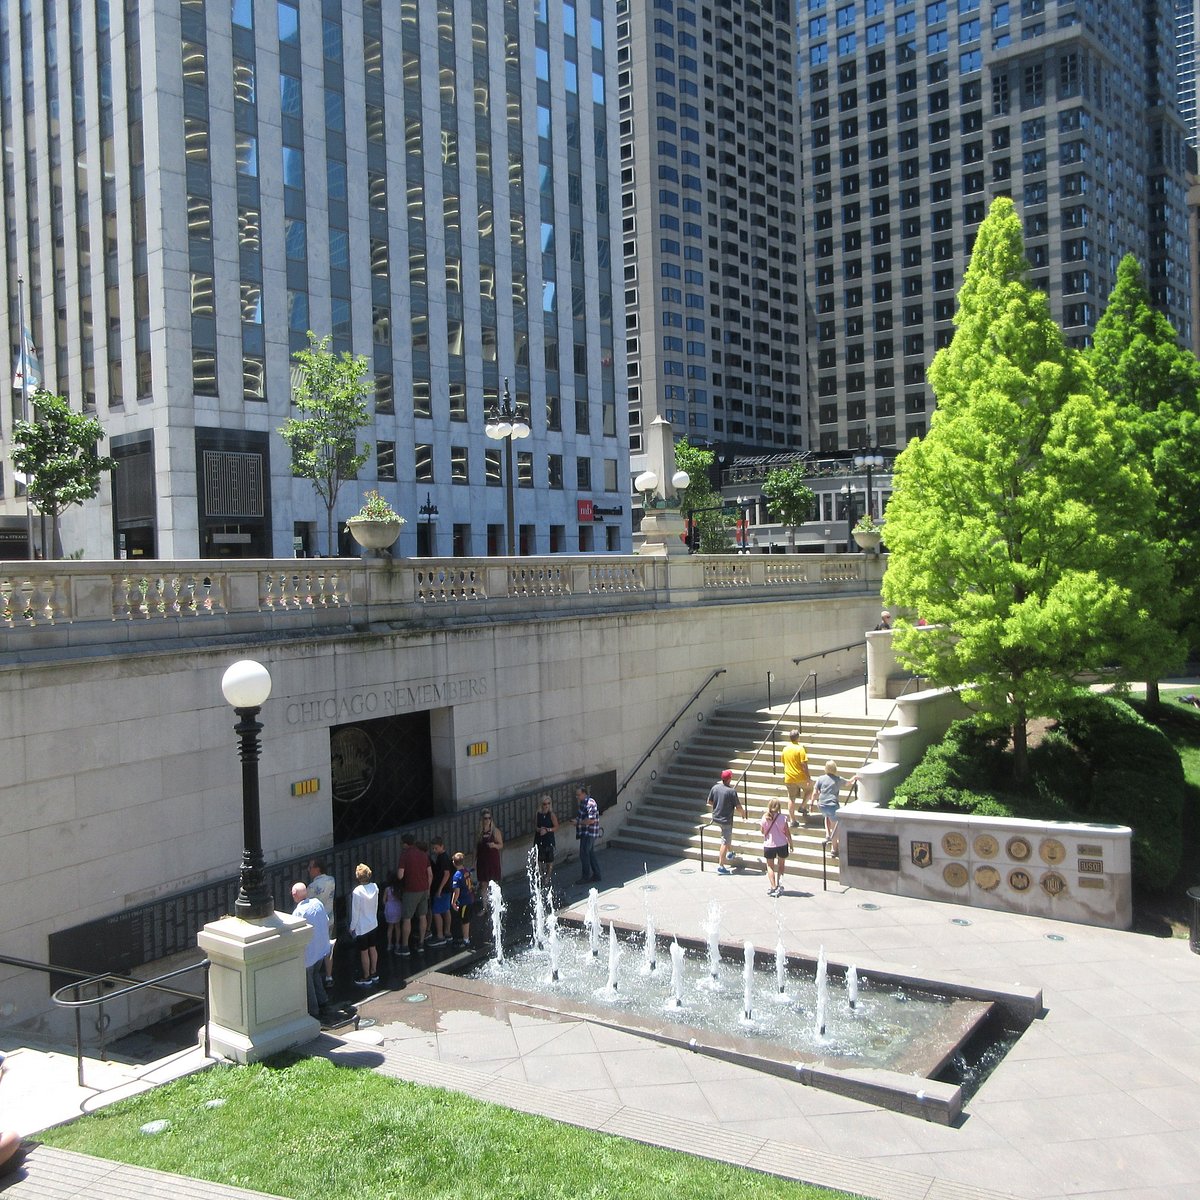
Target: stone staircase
<point>667,819</point>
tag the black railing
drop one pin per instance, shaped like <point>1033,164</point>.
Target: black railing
<point>125,985</point>
<point>836,650</point>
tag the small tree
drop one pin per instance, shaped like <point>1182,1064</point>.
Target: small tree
<point>329,392</point>
<point>57,454</point>
<point>789,498</point>
<point>699,501</point>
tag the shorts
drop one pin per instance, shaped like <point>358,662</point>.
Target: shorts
<point>364,941</point>
<point>726,828</point>
<point>463,912</point>
<point>772,852</point>
<point>440,905</point>
<point>414,904</point>
<point>332,929</point>
<point>829,809</point>
<point>545,850</point>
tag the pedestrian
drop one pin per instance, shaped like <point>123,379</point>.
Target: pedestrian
<point>777,841</point>
<point>321,885</point>
<point>487,855</point>
<point>364,924</point>
<point>545,826</point>
<point>825,797</point>
<point>462,899</point>
<point>587,832</point>
<point>415,874</point>
<point>724,802</point>
<point>885,621</point>
<point>442,871</point>
<point>312,910</point>
<point>392,912</point>
<point>795,776</point>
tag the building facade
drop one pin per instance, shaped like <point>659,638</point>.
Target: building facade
<point>711,230</point>
<point>191,186</point>
<point>915,115</point>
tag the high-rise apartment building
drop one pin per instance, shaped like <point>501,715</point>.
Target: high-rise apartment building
<point>191,185</point>
<point>711,222</point>
<point>916,114</point>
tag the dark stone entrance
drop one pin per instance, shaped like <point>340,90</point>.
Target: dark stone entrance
<point>382,774</point>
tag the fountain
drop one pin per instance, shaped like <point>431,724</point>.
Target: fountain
<point>591,922</point>
<point>497,909</point>
<point>614,953</point>
<point>676,975</point>
<point>538,898</point>
<point>852,986</point>
<point>780,970</point>
<point>822,992</point>
<point>748,984</point>
<point>651,945</point>
<point>712,933</point>
<point>552,939</point>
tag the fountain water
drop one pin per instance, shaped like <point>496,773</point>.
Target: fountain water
<point>591,922</point>
<point>651,944</point>
<point>852,986</point>
<point>780,969</point>
<point>497,909</point>
<point>677,975</point>
<point>552,940</point>
<point>748,983</point>
<point>537,898</point>
<point>712,934</point>
<point>614,952</point>
<point>822,992</point>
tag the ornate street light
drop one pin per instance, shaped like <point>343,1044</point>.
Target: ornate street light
<point>246,686</point>
<point>871,459</point>
<point>505,423</point>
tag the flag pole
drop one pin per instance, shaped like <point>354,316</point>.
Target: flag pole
<point>24,360</point>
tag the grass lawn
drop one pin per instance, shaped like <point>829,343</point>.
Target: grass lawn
<point>305,1128</point>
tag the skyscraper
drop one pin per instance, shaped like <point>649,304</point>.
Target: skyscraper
<point>915,116</point>
<point>711,222</point>
<point>191,185</point>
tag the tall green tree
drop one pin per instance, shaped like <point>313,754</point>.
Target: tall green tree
<point>57,454</point>
<point>789,498</point>
<point>1138,361</point>
<point>329,392</point>
<point>1016,526</point>
<point>700,501</point>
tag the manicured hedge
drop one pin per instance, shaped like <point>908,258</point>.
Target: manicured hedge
<point>1102,762</point>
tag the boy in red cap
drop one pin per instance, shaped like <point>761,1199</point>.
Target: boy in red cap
<point>724,802</point>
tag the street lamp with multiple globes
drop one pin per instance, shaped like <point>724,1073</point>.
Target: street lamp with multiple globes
<point>849,491</point>
<point>505,423</point>
<point>871,459</point>
<point>246,686</point>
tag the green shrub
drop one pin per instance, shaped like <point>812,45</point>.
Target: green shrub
<point>953,776</point>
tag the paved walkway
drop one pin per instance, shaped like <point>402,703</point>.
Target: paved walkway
<point>1099,1098</point>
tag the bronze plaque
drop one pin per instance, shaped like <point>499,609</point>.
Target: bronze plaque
<point>922,853</point>
<point>1018,848</point>
<point>955,845</point>
<point>986,846</point>
<point>876,851</point>
<point>1090,851</point>
<point>1090,881</point>
<point>987,878</point>
<point>1053,884</point>
<point>1019,880</point>
<point>1091,866</point>
<point>955,874</point>
<point>1052,851</point>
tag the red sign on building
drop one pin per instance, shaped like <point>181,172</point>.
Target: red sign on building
<point>583,509</point>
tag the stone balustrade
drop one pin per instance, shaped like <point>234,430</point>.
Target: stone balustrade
<point>48,604</point>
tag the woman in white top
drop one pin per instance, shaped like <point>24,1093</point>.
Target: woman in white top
<point>364,920</point>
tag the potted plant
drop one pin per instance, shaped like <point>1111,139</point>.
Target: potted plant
<point>377,524</point>
<point>868,533</point>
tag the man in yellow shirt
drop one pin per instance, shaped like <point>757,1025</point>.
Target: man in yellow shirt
<point>795,776</point>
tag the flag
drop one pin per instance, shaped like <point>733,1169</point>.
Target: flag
<point>27,372</point>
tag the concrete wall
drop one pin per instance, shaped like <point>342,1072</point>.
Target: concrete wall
<point>120,781</point>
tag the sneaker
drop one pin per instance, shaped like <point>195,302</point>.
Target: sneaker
<point>362,983</point>
<point>434,943</point>
<point>724,871</point>
<point>458,942</point>
<point>373,979</point>
<point>404,952</point>
<point>467,944</point>
<point>795,823</point>
<point>329,981</point>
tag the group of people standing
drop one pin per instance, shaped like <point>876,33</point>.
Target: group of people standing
<point>802,790</point>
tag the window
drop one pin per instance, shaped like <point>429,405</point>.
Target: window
<point>423,462</point>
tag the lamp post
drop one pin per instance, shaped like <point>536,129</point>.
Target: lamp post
<point>246,686</point>
<point>849,491</point>
<point>744,503</point>
<point>504,423</point>
<point>428,510</point>
<point>871,459</point>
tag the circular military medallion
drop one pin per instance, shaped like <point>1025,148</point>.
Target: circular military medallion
<point>1018,848</point>
<point>351,763</point>
<point>955,845</point>
<point>987,878</point>
<point>1019,880</point>
<point>1053,884</point>
<point>955,874</point>
<point>986,846</point>
<point>1052,851</point>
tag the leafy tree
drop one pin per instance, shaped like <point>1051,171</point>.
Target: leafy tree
<point>789,498</point>
<point>329,392</point>
<point>1138,361</point>
<point>1016,525</point>
<point>700,501</point>
<point>56,452</point>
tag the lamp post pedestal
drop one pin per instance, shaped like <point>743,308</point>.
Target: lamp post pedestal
<point>662,533</point>
<point>257,999</point>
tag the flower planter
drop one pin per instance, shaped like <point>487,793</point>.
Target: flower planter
<point>374,535</point>
<point>868,539</point>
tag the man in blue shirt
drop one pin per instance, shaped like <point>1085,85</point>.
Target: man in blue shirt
<point>313,911</point>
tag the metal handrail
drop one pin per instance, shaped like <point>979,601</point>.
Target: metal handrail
<point>85,979</point>
<point>675,721</point>
<point>835,650</point>
<point>769,737</point>
<point>907,684</point>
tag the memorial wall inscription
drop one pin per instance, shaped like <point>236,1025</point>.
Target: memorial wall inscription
<point>400,697</point>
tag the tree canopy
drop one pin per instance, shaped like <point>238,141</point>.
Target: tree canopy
<point>56,452</point>
<point>1155,382</point>
<point>789,498</point>
<point>1016,525</point>
<point>329,393</point>
<point>700,501</point>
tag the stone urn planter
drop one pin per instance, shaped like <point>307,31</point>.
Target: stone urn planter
<point>868,539</point>
<point>374,535</point>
